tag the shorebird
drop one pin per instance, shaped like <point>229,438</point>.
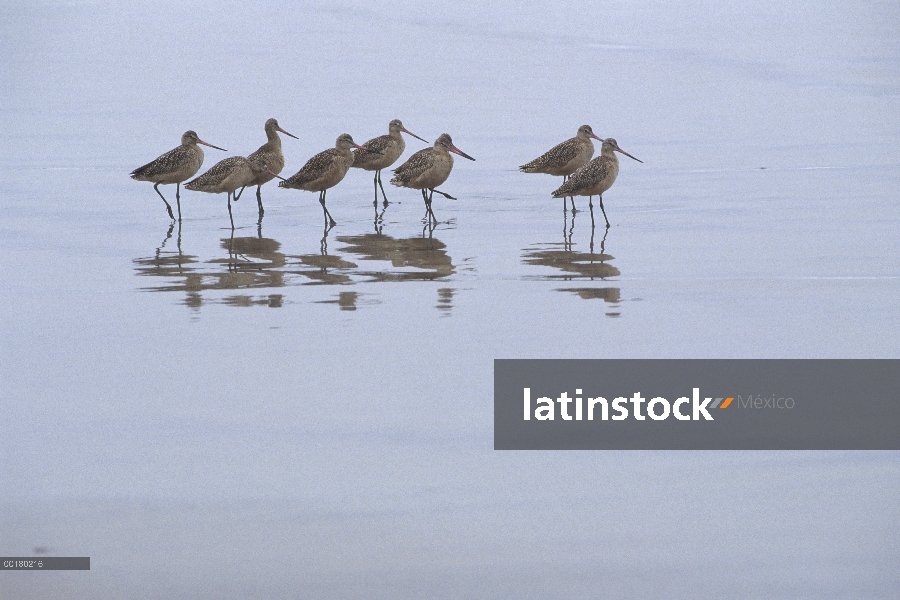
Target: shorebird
<point>427,169</point>
<point>228,175</point>
<point>595,177</point>
<point>270,153</point>
<point>391,147</point>
<point>324,170</point>
<point>565,158</point>
<point>175,166</point>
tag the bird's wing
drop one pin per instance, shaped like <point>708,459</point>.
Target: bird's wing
<point>585,177</point>
<point>378,144</point>
<point>417,164</point>
<point>218,172</point>
<point>313,169</point>
<point>168,162</point>
<point>558,156</point>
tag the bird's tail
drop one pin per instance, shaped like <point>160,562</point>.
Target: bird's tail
<point>564,190</point>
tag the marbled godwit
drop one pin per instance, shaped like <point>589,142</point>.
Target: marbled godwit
<point>596,177</point>
<point>228,175</point>
<point>270,153</point>
<point>324,170</point>
<point>391,147</point>
<point>427,169</point>
<point>565,158</point>
<point>174,166</point>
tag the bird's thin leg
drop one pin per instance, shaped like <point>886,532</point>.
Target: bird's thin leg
<point>604,211</point>
<point>169,208</point>
<point>448,196</point>
<point>238,195</point>
<point>591,205</point>
<point>565,207</point>
<point>425,199</point>
<point>328,218</point>
<point>565,202</point>
<point>430,197</point>
<point>375,183</point>
<point>381,185</point>
<point>259,200</point>
<point>229,211</point>
<point>178,198</point>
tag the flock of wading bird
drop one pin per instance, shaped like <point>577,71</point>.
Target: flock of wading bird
<point>425,170</point>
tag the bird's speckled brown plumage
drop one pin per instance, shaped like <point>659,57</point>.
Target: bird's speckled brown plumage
<point>592,179</point>
<point>565,158</point>
<point>391,146</point>
<point>428,168</point>
<point>227,176</point>
<point>175,166</point>
<point>323,171</point>
<point>595,177</point>
<point>270,152</point>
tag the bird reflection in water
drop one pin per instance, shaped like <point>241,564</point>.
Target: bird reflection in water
<point>255,263</point>
<point>324,268</point>
<point>567,233</point>
<point>575,266</point>
<point>168,260</point>
<point>379,217</point>
<point>421,258</point>
<point>252,263</point>
<point>167,263</point>
<point>426,255</point>
<point>445,300</point>
<point>345,300</point>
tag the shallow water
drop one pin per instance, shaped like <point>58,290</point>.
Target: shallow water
<point>277,411</point>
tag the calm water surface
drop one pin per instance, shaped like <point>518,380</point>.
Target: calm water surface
<point>279,411</point>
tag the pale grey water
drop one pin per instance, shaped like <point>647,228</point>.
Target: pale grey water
<point>216,418</point>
